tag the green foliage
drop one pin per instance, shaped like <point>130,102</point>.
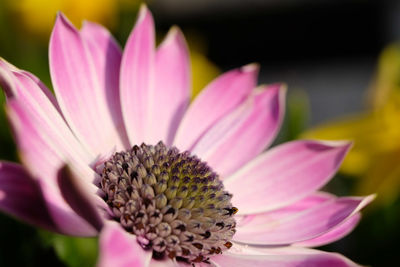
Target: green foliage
<point>74,251</point>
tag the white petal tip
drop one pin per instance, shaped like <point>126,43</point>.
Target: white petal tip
<point>345,144</point>
<point>253,67</point>
<point>174,35</point>
<point>143,12</point>
<point>368,199</point>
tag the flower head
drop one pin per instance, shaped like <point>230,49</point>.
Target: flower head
<point>120,152</point>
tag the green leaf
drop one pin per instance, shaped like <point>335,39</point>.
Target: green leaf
<point>74,251</point>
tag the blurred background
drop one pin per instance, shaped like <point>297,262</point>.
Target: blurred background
<point>339,58</point>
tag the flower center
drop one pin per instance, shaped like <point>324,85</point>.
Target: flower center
<point>173,202</point>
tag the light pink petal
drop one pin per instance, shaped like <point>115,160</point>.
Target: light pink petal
<point>220,97</point>
<point>13,92</point>
<point>244,133</point>
<point>137,79</point>
<point>79,86</point>
<point>43,155</point>
<point>81,200</point>
<point>21,197</point>
<point>119,248</point>
<point>333,235</point>
<point>285,174</point>
<point>7,78</point>
<point>172,89</point>
<point>247,221</point>
<point>300,226</point>
<point>286,257</point>
<point>106,55</point>
<point>39,102</point>
<point>42,136</point>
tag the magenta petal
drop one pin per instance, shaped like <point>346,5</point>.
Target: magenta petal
<point>119,248</point>
<point>9,78</point>
<point>80,200</point>
<point>39,103</point>
<point>79,86</point>
<point>247,221</point>
<point>21,197</point>
<point>285,174</point>
<point>220,97</point>
<point>172,90</point>
<point>244,133</point>
<point>43,148</point>
<point>39,153</point>
<point>333,235</point>
<point>300,226</point>
<point>137,78</point>
<point>106,55</point>
<point>282,257</point>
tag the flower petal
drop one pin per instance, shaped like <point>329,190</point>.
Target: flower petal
<point>7,78</point>
<point>37,99</point>
<point>172,94</point>
<point>137,78</point>
<point>21,196</point>
<point>78,197</point>
<point>285,174</point>
<point>220,97</point>
<point>244,133</point>
<point>286,257</point>
<point>300,226</point>
<point>119,248</point>
<point>304,204</point>
<point>38,146</point>
<point>43,147</point>
<point>79,93</point>
<point>333,235</point>
<point>106,55</point>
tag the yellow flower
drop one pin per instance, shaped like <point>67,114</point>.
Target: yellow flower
<point>37,16</point>
<point>375,157</point>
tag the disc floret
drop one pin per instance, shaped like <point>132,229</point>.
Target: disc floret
<point>173,202</point>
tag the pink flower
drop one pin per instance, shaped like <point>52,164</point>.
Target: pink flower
<point>154,205</point>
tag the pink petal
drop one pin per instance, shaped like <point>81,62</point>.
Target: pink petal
<point>81,200</point>
<point>220,97</point>
<point>106,55</point>
<point>7,78</point>
<point>245,132</point>
<point>172,90</point>
<point>282,257</point>
<point>78,89</point>
<point>43,155</point>
<point>35,105</point>
<point>247,221</point>
<point>285,174</point>
<point>44,147</point>
<point>333,235</point>
<point>300,226</point>
<point>137,78</point>
<point>21,197</point>
<point>119,248</point>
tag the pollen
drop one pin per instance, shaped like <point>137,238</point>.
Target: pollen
<point>173,202</point>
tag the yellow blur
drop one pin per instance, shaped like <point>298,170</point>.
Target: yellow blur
<point>37,16</point>
<point>375,157</point>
